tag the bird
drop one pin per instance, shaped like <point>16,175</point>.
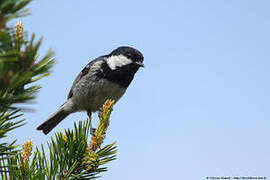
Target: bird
<point>106,77</point>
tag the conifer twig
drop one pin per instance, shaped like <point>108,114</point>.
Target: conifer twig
<point>100,133</point>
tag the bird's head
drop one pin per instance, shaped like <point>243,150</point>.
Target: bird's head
<point>125,57</point>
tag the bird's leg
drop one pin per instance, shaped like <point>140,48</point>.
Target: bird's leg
<point>89,114</point>
<point>92,130</point>
<point>100,113</point>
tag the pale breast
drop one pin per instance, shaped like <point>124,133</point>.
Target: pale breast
<point>92,96</point>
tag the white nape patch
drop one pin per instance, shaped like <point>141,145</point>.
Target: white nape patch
<point>96,66</point>
<point>118,61</point>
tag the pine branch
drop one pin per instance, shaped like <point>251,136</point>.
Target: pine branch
<point>70,155</point>
<point>19,66</point>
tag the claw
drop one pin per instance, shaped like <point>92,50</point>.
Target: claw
<point>93,131</point>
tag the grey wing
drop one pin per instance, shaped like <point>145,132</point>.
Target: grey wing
<point>93,66</point>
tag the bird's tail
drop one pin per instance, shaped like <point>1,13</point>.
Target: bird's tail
<point>53,120</point>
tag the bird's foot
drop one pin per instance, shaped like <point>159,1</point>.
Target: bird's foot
<point>100,113</point>
<point>93,131</point>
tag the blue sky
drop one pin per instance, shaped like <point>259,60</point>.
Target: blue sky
<point>200,107</point>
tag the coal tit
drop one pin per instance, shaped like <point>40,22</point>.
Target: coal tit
<point>106,77</point>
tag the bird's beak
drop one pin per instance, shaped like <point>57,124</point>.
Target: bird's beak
<point>139,64</point>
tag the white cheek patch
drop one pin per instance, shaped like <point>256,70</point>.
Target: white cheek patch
<point>118,61</point>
